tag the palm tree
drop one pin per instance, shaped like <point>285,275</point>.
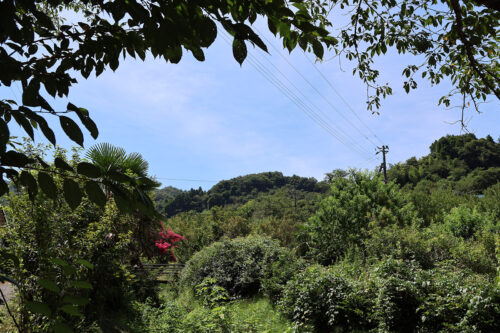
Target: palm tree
<point>111,160</point>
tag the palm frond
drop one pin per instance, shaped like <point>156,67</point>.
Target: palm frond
<point>135,163</point>
<point>106,156</point>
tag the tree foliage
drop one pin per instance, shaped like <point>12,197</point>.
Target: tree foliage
<point>355,205</point>
<point>471,164</point>
<point>453,39</point>
<point>458,40</point>
<point>240,190</point>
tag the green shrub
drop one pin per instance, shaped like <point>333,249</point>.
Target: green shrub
<point>238,265</point>
<point>165,318</point>
<point>464,222</point>
<point>458,301</point>
<point>322,298</point>
<point>281,271</point>
<point>396,305</point>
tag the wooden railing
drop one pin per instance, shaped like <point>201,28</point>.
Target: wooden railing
<point>160,270</point>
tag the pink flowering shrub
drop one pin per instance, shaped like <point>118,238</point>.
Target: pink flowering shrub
<point>167,241</point>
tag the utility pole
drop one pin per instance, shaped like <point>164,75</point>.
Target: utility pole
<point>383,166</point>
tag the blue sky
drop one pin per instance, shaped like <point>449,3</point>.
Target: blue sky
<point>215,120</point>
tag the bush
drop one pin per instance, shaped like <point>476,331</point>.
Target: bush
<point>238,265</point>
<point>282,270</point>
<point>322,298</point>
<point>464,222</point>
<point>166,318</point>
<point>458,301</point>
<point>396,305</point>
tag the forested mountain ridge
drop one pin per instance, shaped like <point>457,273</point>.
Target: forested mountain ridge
<point>237,190</point>
<point>466,163</point>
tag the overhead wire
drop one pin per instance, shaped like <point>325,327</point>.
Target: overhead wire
<point>315,106</point>
<point>322,95</point>
<point>350,108</point>
<point>269,76</point>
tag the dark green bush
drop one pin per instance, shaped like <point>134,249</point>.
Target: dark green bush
<point>282,270</point>
<point>396,305</point>
<point>238,265</point>
<point>458,301</point>
<point>322,298</point>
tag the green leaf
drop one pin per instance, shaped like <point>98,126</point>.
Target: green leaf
<point>49,285</point>
<point>71,310</point>
<point>24,123</point>
<point>198,54</point>
<point>81,284</point>
<point>61,164</point>
<point>47,131</point>
<point>29,181</point>
<point>72,107</point>
<point>239,50</point>
<point>123,203</point>
<point>30,93</point>
<point>85,263</point>
<point>47,185</point>
<point>318,48</point>
<point>90,126</point>
<point>15,159</point>
<point>4,135</point>
<point>72,193</point>
<point>61,327</point>
<point>95,193</point>
<point>208,32</point>
<point>88,169</point>
<point>59,262</point>
<point>71,129</point>
<point>83,115</point>
<point>38,307</point>
<point>44,104</point>
<point>174,54</point>
<point>118,176</point>
<point>78,300</point>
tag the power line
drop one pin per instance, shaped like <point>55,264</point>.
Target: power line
<point>342,99</point>
<point>316,107</point>
<point>296,100</point>
<point>319,93</point>
<point>303,106</point>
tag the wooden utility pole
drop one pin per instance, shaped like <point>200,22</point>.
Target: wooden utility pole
<point>383,166</point>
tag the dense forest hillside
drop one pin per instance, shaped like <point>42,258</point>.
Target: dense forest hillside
<point>468,164</point>
<point>171,201</point>
<point>465,163</point>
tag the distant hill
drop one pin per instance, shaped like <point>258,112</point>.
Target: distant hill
<point>464,162</point>
<point>162,196</point>
<point>239,190</point>
<point>468,164</point>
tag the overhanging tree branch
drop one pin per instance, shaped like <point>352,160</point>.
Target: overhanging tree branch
<point>468,49</point>
<point>491,4</point>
